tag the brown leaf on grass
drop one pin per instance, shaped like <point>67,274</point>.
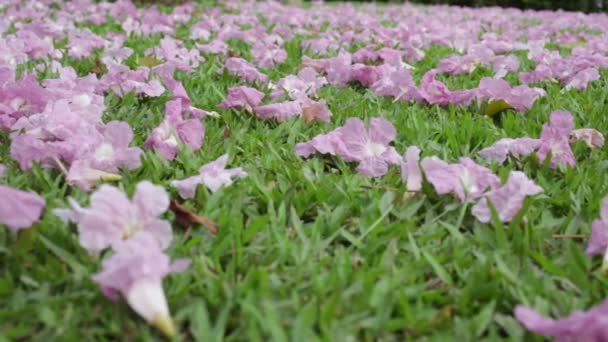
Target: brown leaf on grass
<point>226,132</point>
<point>99,68</point>
<point>187,218</point>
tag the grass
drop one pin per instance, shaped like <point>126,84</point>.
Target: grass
<point>310,251</point>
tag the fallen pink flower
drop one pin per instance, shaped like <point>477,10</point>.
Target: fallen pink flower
<point>598,242</point>
<point>554,139</point>
<point>466,179</point>
<point>521,97</point>
<point>501,149</point>
<point>245,70</point>
<point>588,325</point>
<point>112,217</point>
<point>354,142</point>
<point>436,92</point>
<point>507,199</point>
<point>410,169</point>
<point>213,175</point>
<point>135,271</point>
<point>19,209</point>
<point>242,98</point>
<point>592,137</point>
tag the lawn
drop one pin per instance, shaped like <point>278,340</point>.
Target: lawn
<point>307,249</point>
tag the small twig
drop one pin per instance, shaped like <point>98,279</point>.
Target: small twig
<point>187,218</point>
<point>60,166</point>
<point>569,236</point>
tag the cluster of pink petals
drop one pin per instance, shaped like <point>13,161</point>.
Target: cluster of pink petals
<point>213,175</point>
<point>242,98</point>
<point>267,55</point>
<point>112,217</point>
<point>173,51</point>
<point>353,142</point>
<point>135,271</point>
<point>175,130</point>
<point>521,97</point>
<point>434,91</point>
<point>507,199</point>
<point>598,242</point>
<point>19,209</point>
<point>588,325</point>
<point>244,70</point>
<point>122,80</point>
<point>466,180</point>
<point>555,140</point>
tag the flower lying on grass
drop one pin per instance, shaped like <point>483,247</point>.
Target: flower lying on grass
<point>242,98</point>
<point>112,217</point>
<point>213,175</point>
<point>591,325</point>
<point>19,209</point>
<point>507,199</point>
<point>135,271</point>
<point>598,242</point>
<point>354,142</point>
<point>555,140</point>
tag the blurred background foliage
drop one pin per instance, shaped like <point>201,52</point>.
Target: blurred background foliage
<point>570,5</point>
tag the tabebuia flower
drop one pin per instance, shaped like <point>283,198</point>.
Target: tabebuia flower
<point>112,217</point>
<point>174,52</point>
<point>354,142</point>
<point>588,326</point>
<point>242,98</point>
<point>267,55</point>
<point>213,175</point>
<point>434,91</point>
<point>245,70</point>
<point>521,97</point>
<point>19,209</point>
<point>503,148</point>
<point>466,179</point>
<point>304,84</point>
<point>135,271</point>
<point>396,82</point>
<point>598,242</point>
<point>410,169</point>
<point>554,139</point>
<point>592,137</point>
<point>174,130</point>
<point>507,199</point>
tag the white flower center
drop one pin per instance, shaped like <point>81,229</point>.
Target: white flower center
<point>374,149</point>
<point>17,103</point>
<point>82,100</point>
<point>104,152</point>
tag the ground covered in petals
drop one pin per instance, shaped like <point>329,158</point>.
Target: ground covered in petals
<point>255,171</point>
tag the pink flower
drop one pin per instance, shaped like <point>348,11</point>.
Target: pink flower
<point>135,271</point>
<point>242,98</point>
<point>466,179</point>
<point>521,97</point>
<point>279,111</point>
<point>591,325</point>
<point>245,70</point>
<point>304,84</point>
<point>581,79</point>
<point>173,51</point>
<point>598,242</point>
<point>397,83</point>
<point>112,217</point>
<point>591,137</point>
<point>267,55</point>
<point>213,175</point>
<point>507,199</point>
<point>501,149</point>
<point>354,142</point>
<point>436,92</point>
<point>174,129</point>
<point>410,169</point>
<point>19,209</point>
<point>554,139</point>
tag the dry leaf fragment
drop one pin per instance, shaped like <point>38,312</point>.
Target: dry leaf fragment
<point>187,218</point>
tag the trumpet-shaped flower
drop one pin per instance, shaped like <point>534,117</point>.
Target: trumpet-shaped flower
<point>19,209</point>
